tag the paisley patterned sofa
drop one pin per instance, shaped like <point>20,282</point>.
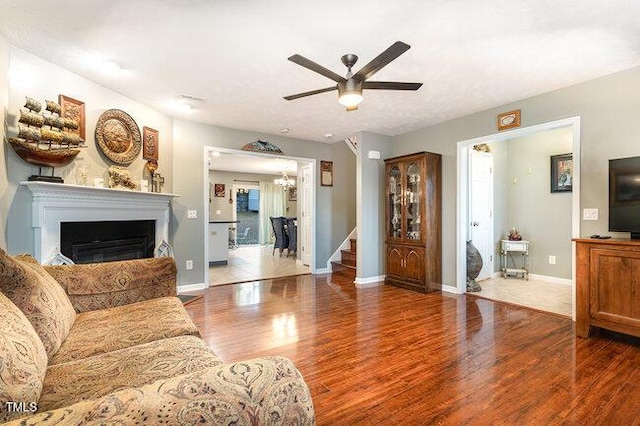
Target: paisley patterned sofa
<point>110,343</point>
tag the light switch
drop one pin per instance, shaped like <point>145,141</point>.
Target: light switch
<point>218,212</point>
<point>589,214</point>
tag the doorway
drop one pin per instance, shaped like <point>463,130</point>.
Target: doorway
<point>244,174</point>
<point>481,207</point>
<point>464,211</point>
<point>246,213</point>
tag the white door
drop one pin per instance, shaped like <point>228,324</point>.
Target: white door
<point>481,208</point>
<point>306,214</point>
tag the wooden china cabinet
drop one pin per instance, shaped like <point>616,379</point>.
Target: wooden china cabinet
<point>413,221</point>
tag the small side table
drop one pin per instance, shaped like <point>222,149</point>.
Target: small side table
<point>507,249</point>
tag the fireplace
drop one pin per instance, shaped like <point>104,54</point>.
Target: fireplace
<point>54,205</point>
<point>107,241</point>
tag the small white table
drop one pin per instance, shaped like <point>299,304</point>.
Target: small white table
<point>507,248</point>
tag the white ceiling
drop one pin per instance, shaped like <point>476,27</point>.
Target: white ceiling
<point>470,55</point>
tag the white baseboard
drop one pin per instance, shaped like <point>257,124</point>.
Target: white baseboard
<point>369,282</point>
<point>319,271</point>
<point>550,279</point>
<point>450,289</point>
<point>191,287</point>
<point>546,278</point>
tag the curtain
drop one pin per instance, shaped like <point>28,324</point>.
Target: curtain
<point>272,203</point>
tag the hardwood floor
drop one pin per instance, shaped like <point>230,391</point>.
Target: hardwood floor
<point>387,355</point>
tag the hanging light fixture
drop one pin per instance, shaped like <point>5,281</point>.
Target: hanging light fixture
<point>285,181</point>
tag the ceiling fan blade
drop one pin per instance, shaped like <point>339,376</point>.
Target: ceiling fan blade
<point>380,61</point>
<point>309,64</point>
<point>390,85</point>
<point>312,92</point>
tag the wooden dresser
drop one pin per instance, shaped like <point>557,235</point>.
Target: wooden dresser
<point>413,221</point>
<point>608,285</point>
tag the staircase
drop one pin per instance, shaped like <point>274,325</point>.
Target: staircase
<point>346,267</point>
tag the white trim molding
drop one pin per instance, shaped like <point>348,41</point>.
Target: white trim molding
<point>550,279</point>
<point>450,289</point>
<point>369,282</point>
<point>191,287</point>
<point>54,203</point>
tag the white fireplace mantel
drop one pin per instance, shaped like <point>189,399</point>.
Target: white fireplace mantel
<point>54,203</point>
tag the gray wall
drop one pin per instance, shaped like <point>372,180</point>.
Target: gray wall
<point>371,216</point>
<point>188,166</point>
<point>543,218</point>
<point>43,80</point>
<point>610,128</point>
<point>343,195</point>
<point>5,200</point>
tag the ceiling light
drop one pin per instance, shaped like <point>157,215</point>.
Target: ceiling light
<point>350,94</point>
<point>350,100</point>
<point>285,181</point>
<point>215,154</point>
<point>329,135</point>
<point>284,130</point>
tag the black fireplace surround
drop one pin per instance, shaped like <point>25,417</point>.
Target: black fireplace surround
<point>95,242</point>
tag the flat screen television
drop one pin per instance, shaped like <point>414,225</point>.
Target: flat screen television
<point>624,195</point>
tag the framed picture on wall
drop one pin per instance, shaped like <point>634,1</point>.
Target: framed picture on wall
<point>326,173</point>
<point>508,120</point>
<point>562,173</point>
<point>219,190</point>
<point>150,144</point>
<point>293,193</point>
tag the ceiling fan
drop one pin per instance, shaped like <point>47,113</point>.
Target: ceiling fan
<point>350,86</point>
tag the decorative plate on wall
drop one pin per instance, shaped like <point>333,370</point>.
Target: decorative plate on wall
<point>118,136</point>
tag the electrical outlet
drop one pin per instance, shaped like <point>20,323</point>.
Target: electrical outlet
<point>192,214</point>
<point>218,212</point>
<point>189,265</point>
<point>552,260</point>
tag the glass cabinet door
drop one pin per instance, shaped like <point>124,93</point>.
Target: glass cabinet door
<point>413,201</point>
<point>395,203</point>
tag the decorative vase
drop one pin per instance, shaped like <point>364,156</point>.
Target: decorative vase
<point>474,266</point>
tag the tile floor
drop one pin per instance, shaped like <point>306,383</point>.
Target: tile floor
<point>541,295</point>
<point>250,263</point>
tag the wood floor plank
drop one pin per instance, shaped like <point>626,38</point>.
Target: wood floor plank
<point>386,355</point>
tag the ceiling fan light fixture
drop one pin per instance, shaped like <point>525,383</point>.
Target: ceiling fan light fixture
<point>350,94</point>
<point>350,100</point>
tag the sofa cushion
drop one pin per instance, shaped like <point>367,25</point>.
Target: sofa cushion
<point>100,375</point>
<point>40,298</point>
<point>106,330</point>
<point>23,359</point>
<point>264,391</point>
<point>94,286</point>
